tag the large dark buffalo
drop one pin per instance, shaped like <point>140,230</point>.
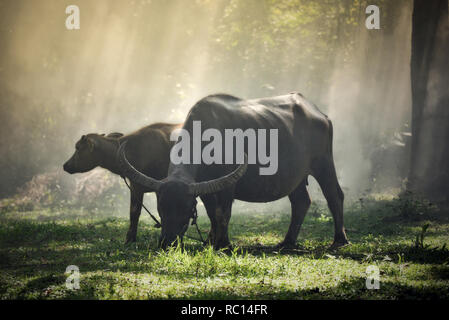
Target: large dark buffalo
<point>148,149</point>
<point>305,148</point>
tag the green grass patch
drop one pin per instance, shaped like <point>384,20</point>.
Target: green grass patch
<point>37,246</point>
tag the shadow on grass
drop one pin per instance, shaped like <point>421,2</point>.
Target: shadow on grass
<point>40,284</point>
<point>354,289</point>
<point>406,253</point>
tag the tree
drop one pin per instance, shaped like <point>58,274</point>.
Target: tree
<point>429,170</point>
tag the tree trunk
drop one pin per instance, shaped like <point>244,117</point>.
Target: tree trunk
<point>429,167</point>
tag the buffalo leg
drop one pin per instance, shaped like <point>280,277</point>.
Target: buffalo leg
<point>300,202</point>
<point>223,215</point>
<point>327,178</point>
<point>210,203</point>
<point>134,214</point>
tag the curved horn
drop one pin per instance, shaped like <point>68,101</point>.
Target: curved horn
<point>221,183</point>
<point>132,173</point>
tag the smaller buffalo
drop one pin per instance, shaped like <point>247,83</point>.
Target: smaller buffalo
<point>148,149</point>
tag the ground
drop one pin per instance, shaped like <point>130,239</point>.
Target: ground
<point>408,248</point>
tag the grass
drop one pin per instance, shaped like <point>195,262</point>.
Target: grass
<point>37,246</point>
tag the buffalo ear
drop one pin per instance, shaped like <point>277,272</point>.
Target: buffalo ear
<point>91,144</point>
<point>115,135</point>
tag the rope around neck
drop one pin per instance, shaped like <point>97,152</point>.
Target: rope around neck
<point>158,224</point>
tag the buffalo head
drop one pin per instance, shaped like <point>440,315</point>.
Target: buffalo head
<point>88,153</point>
<point>85,158</point>
<point>176,196</point>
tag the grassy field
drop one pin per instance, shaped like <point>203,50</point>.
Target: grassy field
<point>405,242</point>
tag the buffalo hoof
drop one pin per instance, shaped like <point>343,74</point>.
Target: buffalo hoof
<point>210,240</point>
<point>339,244</point>
<point>286,245</point>
<point>227,250</point>
<point>223,246</point>
<point>130,239</point>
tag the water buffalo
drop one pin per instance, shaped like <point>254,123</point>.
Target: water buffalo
<point>305,148</point>
<point>148,150</point>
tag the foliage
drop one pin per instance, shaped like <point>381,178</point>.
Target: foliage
<point>134,63</point>
<point>412,206</point>
<point>97,189</point>
<point>419,242</point>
